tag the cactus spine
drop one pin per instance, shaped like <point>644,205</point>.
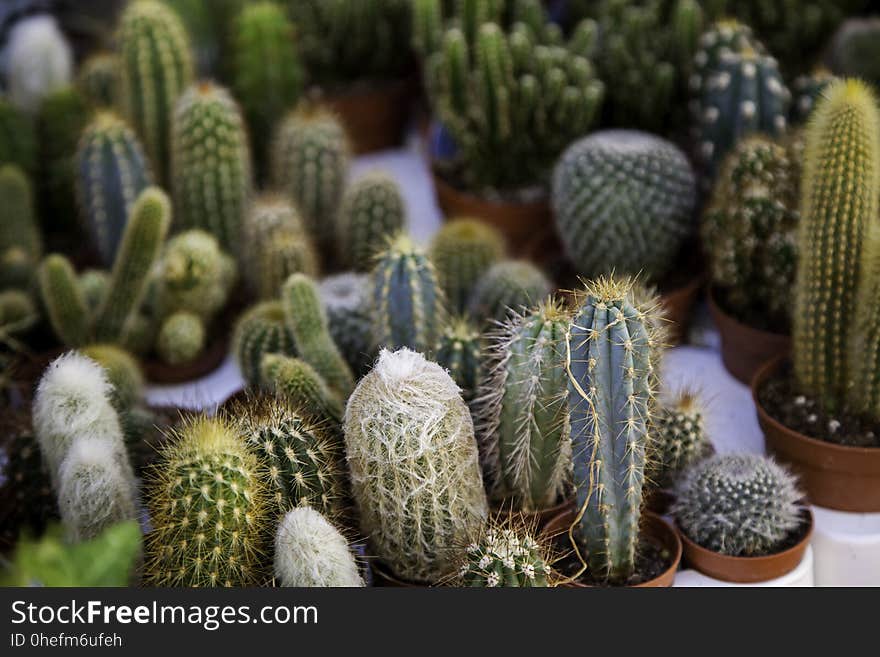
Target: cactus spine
<point>414,466</point>
<point>505,557</point>
<point>459,350</point>
<point>21,244</point>
<point>261,330</point>
<point>507,285</point>
<point>371,213</point>
<point>298,382</point>
<point>347,302</point>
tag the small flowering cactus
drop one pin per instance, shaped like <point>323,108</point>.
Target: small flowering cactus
<point>505,557</point>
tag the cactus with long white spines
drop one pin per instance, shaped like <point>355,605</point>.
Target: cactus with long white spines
<point>38,61</point>
<point>372,211</point>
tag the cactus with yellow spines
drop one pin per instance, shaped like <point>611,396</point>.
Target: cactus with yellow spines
<point>295,380</point>
<point>21,244</point>
<point>372,211</point>
<point>261,330</point>
<point>459,350</point>
<point>99,80</point>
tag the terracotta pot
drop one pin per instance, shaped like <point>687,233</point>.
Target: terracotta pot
<point>375,115</point>
<point>211,358</point>
<point>677,305</point>
<point>658,500</point>
<point>536,519</point>
<point>835,476</point>
<point>745,349</point>
<point>746,570</point>
<point>384,576</point>
<point>653,527</point>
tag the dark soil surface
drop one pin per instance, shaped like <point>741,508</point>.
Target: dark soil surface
<point>652,560</point>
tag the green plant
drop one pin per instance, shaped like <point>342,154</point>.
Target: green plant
<point>462,251</point>
<point>507,285</point>
<point>155,67</point>
<point>347,302</point>
<point>505,557</point>
<point>18,313</point>
<point>18,139</point>
<point>460,351</point>
<point>806,91</point>
<point>678,440</point>
<point>408,302</point>
<point>21,243</point>
<point>66,306</point>
<point>181,338</point>
<point>724,38</point>
<point>111,171</point>
<point>122,371</point>
<point>372,212</point>
<point>298,382</point>
<point>309,551</point>
<point>741,505</point>
<point>37,60</point>
<point>261,330</point>
<point>624,201</point>
<point>208,505</point>
<point>414,465</point>
<point>94,284</point>
<point>609,360</point>
<point>853,51</point>
<point>99,80</point>
<point>210,164</point>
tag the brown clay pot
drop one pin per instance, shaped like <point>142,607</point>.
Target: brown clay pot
<point>745,349</point>
<point>653,527</point>
<point>211,358</point>
<point>383,576</point>
<point>746,570</point>
<point>834,476</point>
<point>658,500</point>
<point>536,520</point>
<point>677,306</point>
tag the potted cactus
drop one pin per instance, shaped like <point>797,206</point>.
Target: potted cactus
<point>820,415</point>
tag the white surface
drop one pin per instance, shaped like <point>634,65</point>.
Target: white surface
<point>802,576</point>
<point>847,547</point>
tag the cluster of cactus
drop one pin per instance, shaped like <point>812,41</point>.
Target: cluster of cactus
<point>460,351</point>
<point>522,413</point>
<point>510,98</point>
<point>38,61</point>
<point>347,301</point>
<point>509,285</point>
<point>505,557</point>
<point>678,440</point>
<point>99,80</point>
<point>741,505</point>
<point>371,212</point>
<point>749,231</point>
<point>624,201</point>
<point>414,465</point>
<point>261,330</point>
<point>21,244</point>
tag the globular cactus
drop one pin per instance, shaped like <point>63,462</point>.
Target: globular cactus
<point>609,360</point>
<point>94,284</point>
<point>66,305</point>
<point>111,171</point>
<point>297,382</point>
<point>839,207</point>
<point>261,330</point>
<point>210,164</point>
<point>414,465</point>
<point>348,304</point>
<point>18,139</point>
<point>741,505</point>
<point>309,551</point>
<point>507,285</point>
<point>304,458</point>
<point>678,439</point>
<point>268,76</point>
<point>522,414</point>
<point>122,371</point>
<point>723,38</point>
<point>307,322</point>
<point>156,66</point>
<point>853,51</point>
<point>371,213</point>
<point>38,61</point>
<point>624,201</point>
<point>460,351</point>
<point>21,244</point>
<point>505,557</point>
<point>209,508</point>
<point>275,245</point>
<point>806,91</point>
<point>408,302</point>
<point>98,80</point>
<point>18,313</point>
<point>181,338</point>
<point>462,251</point>
<point>310,162</point>
<point>749,231</point>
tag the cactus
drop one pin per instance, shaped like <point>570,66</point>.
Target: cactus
<point>309,551</point>
<point>21,244</point>
<point>741,505</point>
<point>806,91</point>
<point>853,51</point>
<point>122,371</point>
<point>624,201</point>
<point>749,232</point>
<point>209,508</point>
<point>722,39</point>
<point>156,67</point>
<point>18,313</point>
<point>522,410</point>
<point>414,465</point>
<point>505,557</point>
<point>347,302</point>
<point>310,161</point>
<point>678,440</point>
<point>304,458</point>
<point>66,306</point>
<point>261,330</point>
<point>268,76</point>
<point>863,347</point>
<point>94,284</point>
<point>111,171</point>
<point>408,302</point>
<point>459,350</point>
<point>210,164</point>
<point>371,213</point>
<point>609,361</point>
<point>140,248</point>
<point>298,382</point>
<point>181,338</point>
<point>839,206</point>
<point>38,61</point>
<point>462,251</point>
<point>508,285</point>
<point>18,141</point>
<point>275,245</point>
<point>99,81</point>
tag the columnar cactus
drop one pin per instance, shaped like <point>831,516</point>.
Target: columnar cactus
<point>309,551</point>
<point>156,66</point>
<point>863,357</point>
<point>414,465</point>
<point>261,330</point>
<point>839,206</point>
<point>462,251</point>
<point>296,381</point>
<point>806,91</point>
<point>208,504</point>
<point>181,338</point>
<point>522,413</point>
<point>460,351</point>
<point>371,213</point>
<point>609,360</point>
<point>66,306</point>
<point>408,302</point>
<point>99,80</point>
<point>21,244</point>
<point>678,439</point>
<point>38,61</point>
<point>507,285</point>
<point>624,201</point>
<point>122,371</point>
<point>505,557</point>
<point>111,171</point>
<point>741,505</point>
<point>18,141</point>
<point>348,304</point>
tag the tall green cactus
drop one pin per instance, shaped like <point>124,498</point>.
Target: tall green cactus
<point>210,164</point>
<point>460,351</point>
<point>21,244</point>
<point>372,211</point>
<point>111,171</point>
<point>260,330</point>
<point>156,67</point>
<point>65,303</point>
<point>610,356</point>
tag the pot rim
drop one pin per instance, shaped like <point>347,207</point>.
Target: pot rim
<point>541,203</point>
<point>160,373</point>
<point>716,310</point>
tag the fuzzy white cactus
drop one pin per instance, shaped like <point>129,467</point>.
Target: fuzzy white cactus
<point>38,61</point>
<point>309,551</point>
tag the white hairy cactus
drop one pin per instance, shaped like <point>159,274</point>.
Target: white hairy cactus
<point>309,551</point>
<point>39,61</point>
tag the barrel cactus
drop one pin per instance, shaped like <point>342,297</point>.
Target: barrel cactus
<point>98,80</point>
<point>460,351</point>
<point>347,302</point>
<point>505,557</point>
<point>21,244</point>
<point>678,439</point>
<point>507,285</point>
<point>260,330</point>
<point>371,213</point>
<point>181,338</point>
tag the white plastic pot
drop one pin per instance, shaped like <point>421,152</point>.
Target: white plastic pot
<point>846,547</point>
